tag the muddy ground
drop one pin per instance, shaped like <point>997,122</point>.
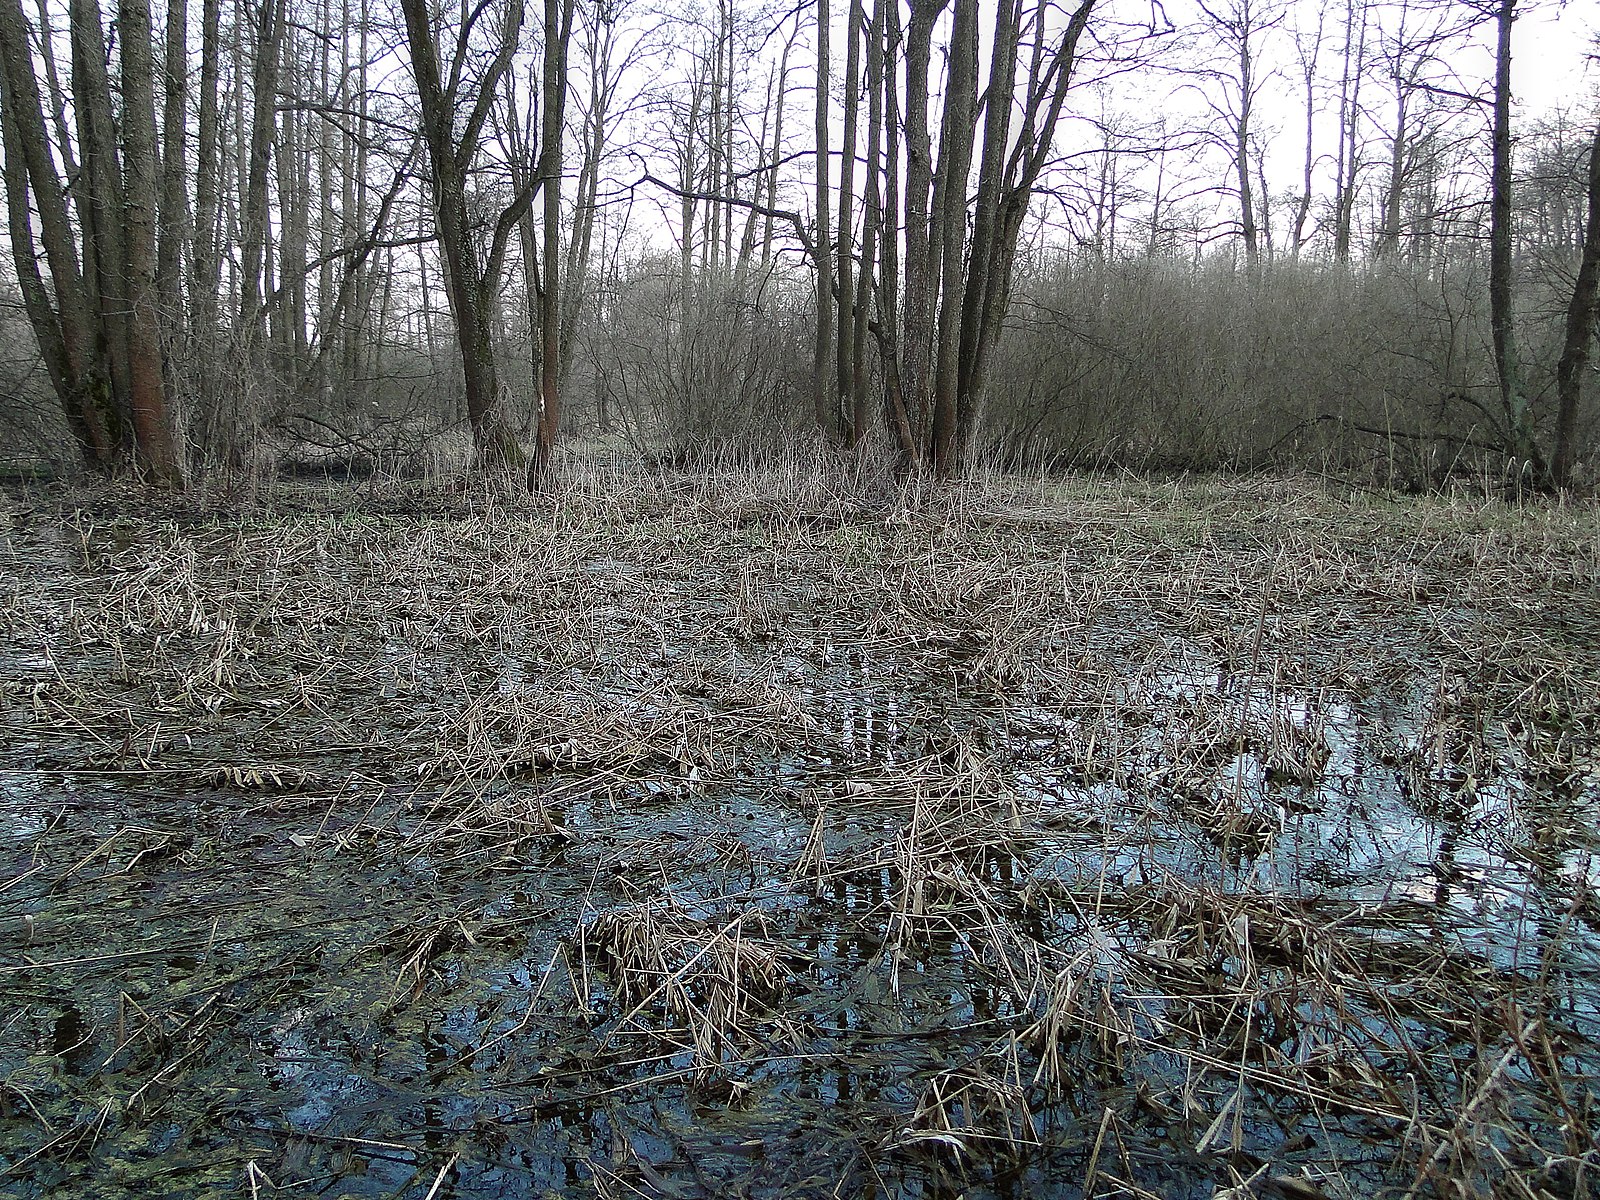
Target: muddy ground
<point>759,833</point>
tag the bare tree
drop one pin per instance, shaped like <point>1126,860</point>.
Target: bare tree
<point>844,272</point>
<point>472,271</point>
<point>1513,399</point>
<point>174,231</point>
<point>101,326</point>
<point>557,35</point>
<point>1010,170</point>
<point>1348,164</point>
<point>1582,311</point>
<point>823,349</point>
<point>1308,49</point>
<point>63,323</point>
<point>1241,26</point>
<point>155,440</point>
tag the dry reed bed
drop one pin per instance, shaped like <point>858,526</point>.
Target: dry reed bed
<point>1085,837</point>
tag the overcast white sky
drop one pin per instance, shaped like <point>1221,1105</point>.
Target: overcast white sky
<point>1548,49</point>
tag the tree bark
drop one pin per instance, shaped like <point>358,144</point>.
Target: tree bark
<point>823,349</point>
<point>557,34</point>
<point>921,259</point>
<point>471,287</point>
<point>101,211</point>
<point>253,216</point>
<point>871,224</point>
<point>158,450</point>
<point>1348,160</point>
<point>986,215</point>
<point>1580,330</point>
<point>1513,402</point>
<point>896,415</point>
<point>65,331</point>
<point>955,162</point>
<point>1049,78</point>
<point>205,270</point>
<point>174,168</point>
<point>844,272</point>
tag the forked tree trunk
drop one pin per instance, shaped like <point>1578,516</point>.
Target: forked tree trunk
<point>472,286</point>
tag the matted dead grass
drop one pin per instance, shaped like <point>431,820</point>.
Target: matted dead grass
<point>782,830</point>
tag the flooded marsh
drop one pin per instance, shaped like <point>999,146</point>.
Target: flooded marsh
<point>750,834</point>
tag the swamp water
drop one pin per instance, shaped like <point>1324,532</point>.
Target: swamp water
<point>345,854</point>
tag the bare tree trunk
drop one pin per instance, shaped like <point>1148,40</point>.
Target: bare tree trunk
<point>776,154</point>
<point>711,235</point>
<point>65,334</point>
<point>1580,330</point>
<point>1049,78</point>
<point>58,99</point>
<point>986,215</point>
<point>42,317</point>
<point>729,182</point>
<point>824,341</point>
<point>286,305</point>
<point>205,271</point>
<point>1348,164</point>
<point>955,162</point>
<point>174,168</point>
<point>1308,78</point>
<point>1519,417</point>
<point>895,414</point>
<point>921,258</point>
<point>472,284</point>
<point>871,224</point>
<point>100,217</point>
<point>602,90</point>
<point>253,216</point>
<point>747,240</point>
<point>688,187</point>
<point>1264,205</point>
<point>844,273</point>
<point>1394,189</point>
<point>159,452</point>
<point>355,200</point>
<point>1241,149</point>
<point>557,34</point>
<point>315,379</point>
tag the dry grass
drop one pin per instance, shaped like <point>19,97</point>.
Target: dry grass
<point>1109,837</point>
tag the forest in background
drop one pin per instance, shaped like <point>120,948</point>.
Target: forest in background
<point>1246,233</point>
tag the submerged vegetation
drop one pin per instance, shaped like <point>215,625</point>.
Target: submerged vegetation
<point>779,832</point>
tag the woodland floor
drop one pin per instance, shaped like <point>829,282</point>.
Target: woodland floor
<point>754,834</point>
